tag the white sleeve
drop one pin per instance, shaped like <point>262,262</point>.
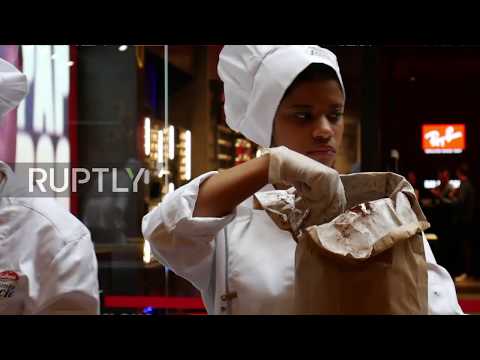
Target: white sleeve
<point>442,296</point>
<point>70,284</point>
<point>180,241</point>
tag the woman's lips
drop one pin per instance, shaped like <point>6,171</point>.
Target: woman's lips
<point>323,151</point>
<point>324,154</point>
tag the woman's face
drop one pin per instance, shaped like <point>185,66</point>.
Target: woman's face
<point>309,120</point>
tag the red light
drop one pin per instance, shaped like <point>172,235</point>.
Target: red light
<point>159,302</point>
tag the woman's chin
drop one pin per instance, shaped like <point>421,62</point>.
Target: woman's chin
<point>326,159</point>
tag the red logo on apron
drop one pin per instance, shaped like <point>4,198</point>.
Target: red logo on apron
<point>8,283</point>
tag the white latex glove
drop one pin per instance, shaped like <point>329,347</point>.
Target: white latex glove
<point>319,186</point>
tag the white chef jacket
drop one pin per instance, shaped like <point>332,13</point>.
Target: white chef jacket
<point>47,259</point>
<point>245,256</point>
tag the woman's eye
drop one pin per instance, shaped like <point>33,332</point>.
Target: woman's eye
<point>303,115</point>
<point>335,116</point>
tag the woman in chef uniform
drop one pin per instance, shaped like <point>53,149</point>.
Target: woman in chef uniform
<point>47,260</point>
<point>289,99</point>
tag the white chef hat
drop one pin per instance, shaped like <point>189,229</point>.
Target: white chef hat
<point>255,79</point>
<point>13,87</point>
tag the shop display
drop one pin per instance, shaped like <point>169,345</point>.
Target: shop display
<point>168,157</point>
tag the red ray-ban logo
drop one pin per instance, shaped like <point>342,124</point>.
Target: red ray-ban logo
<point>443,138</point>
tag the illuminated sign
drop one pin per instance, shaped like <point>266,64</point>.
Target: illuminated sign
<point>443,138</point>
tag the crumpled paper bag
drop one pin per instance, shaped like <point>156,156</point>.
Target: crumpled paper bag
<point>369,259</point>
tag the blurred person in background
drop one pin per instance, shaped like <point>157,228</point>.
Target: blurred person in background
<point>443,190</point>
<point>442,211</point>
<point>412,179</point>
<point>465,247</point>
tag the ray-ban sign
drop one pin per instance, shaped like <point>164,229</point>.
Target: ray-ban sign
<point>443,138</point>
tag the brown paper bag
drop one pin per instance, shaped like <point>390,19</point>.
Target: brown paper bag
<point>369,259</point>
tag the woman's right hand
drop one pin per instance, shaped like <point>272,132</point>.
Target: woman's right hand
<point>319,186</point>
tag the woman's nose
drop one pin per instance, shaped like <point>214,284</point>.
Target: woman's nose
<point>322,128</point>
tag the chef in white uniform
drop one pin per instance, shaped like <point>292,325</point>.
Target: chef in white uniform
<point>47,260</point>
<point>290,99</point>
